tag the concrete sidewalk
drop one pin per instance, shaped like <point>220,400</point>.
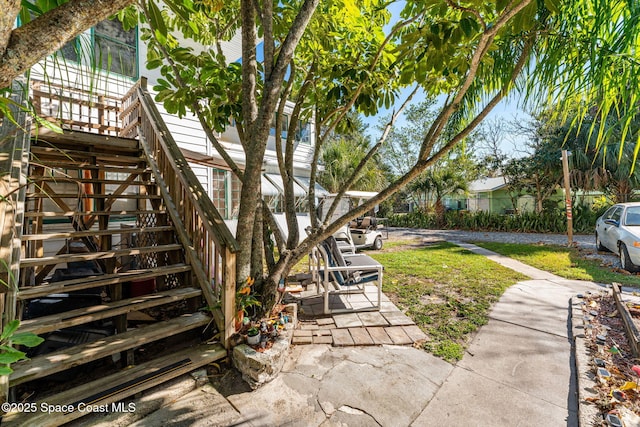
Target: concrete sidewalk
<point>518,370</point>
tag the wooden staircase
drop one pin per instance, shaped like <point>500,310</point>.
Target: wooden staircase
<point>117,275</point>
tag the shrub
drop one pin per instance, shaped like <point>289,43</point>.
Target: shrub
<point>550,221</point>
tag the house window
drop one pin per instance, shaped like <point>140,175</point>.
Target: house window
<point>115,50</point>
<point>219,194</point>
<point>284,128</point>
<point>70,51</point>
<point>225,193</point>
<point>111,48</point>
<point>303,132</point>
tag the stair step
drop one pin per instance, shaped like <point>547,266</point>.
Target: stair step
<point>66,358</point>
<point>52,214</point>
<point>43,155</point>
<point>45,195</point>
<point>74,234</point>
<point>97,281</point>
<point>116,387</point>
<point>87,165</point>
<point>90,256</point>
<point>44,324</point>
<point>64,180</point>
<point>77,138</point>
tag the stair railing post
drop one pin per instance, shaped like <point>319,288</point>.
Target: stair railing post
<point>229,296</point>
<point>14,161</point>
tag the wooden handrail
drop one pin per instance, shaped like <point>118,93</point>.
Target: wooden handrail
<point>76,108</point>
<point>209,245</point>
<point>14,155</point>
<point>204,206</point>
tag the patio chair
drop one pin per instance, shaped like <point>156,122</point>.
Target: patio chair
<point>338,273</point>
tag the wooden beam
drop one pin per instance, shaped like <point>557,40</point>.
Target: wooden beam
<point>123,384</point>
<point>90,256</point>
<point>81,316</point>
<point>98,281</point>
<point>66,358</point>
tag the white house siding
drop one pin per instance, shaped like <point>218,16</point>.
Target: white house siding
<point>186,131</point>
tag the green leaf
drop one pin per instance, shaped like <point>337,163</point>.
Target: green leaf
<point>9,329</point>
<point>553,6</point>
<point>157,22</point>
<point>5,370</point>
<point>501,4</point>
<point>11,357</point>
<point>27,339</point>
<point>466,26</point>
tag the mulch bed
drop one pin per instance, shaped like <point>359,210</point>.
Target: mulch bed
<point>618,393</point>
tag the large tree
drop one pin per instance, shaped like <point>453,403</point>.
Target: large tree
<point>330,58</point>
<point>338,58</point>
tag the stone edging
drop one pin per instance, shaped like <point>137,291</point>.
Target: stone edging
<point>588,414</point>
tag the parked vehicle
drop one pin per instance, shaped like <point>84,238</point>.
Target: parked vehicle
<point>618,231</point>
<point>362,232</point>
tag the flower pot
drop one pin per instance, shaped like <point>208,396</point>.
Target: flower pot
<point>253,339</point>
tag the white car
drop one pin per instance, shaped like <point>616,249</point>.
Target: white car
<point>618,231</point>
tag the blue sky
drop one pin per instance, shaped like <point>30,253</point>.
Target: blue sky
<point>508,109</point>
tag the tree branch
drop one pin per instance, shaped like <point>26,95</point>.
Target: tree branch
<point>483,45</point>
<point>195,106</point>
<point>11,9</point>
<point>345,109</point>
<point>269,44</point>
<point>347,184</point>
<point>522,60</point>
<point>468,9</point>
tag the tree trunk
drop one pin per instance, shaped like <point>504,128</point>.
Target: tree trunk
<point>439,208</point>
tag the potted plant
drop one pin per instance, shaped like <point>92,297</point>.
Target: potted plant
<point>253,336</point>
<point>244,300</point>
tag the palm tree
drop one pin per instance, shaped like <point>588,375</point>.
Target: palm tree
<point>341,156</point>
<point>436,183</point>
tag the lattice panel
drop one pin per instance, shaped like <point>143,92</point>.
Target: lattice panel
<point>152,260</point>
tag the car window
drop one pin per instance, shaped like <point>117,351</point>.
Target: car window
<point>609,212</point>
<point>616,214</point>
<point>632,216</point>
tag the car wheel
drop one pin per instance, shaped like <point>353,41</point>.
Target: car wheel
<point>377,244</point>
<point>625,261</point>
<point>599,245</point>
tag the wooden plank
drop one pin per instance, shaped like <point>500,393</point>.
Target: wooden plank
<point>60,179</point>
<point>54,151</point>
<point>50,214</point>
<point>66,358</point>
<point>90,256</point>
<point>69,99</point>
<point>101,280</point>
<point>81,124</point>
<point>84,315</point>
<point>229,295</point>
<point>183,173</point>
<point>74,234</point>
<point>91,196</point>
<point>85,139</point>
<point>90,165</point>
<point>121,385</point>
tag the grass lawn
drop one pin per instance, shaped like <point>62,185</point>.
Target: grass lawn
<point>565,262</point>
<point>445,289</point>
